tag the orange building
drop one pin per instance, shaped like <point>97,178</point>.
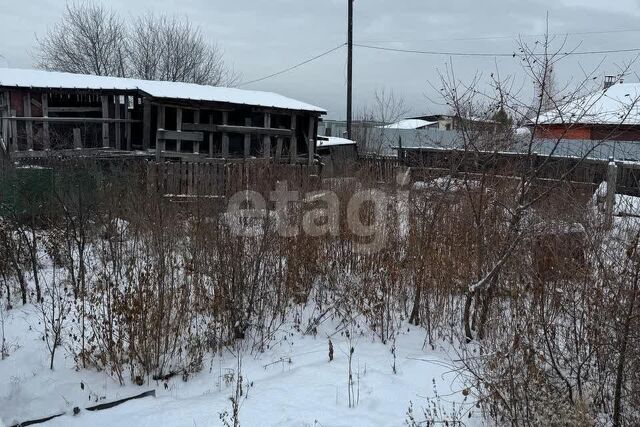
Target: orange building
<point>611,114</point>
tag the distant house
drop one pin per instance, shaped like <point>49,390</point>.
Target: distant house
<point>452,122</point>
<point>412,124</point>
<point>612,113</point>
<point>338,128</point>
<point>337,154</point>
<point>42,111</point>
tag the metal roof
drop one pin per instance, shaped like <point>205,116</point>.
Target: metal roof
<point>14,77</point>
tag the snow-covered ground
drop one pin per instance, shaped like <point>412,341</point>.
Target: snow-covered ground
<point>292,383</point>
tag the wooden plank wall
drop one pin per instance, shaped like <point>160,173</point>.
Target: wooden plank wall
<point>207,178</point>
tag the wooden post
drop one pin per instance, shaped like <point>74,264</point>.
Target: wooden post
<point>127,125</point>
<point>247,140</point>
<point>146,124</point>
<point>279,143</point>
<point>612,178</point>
<point>266,139</point>
<point>5,129</point>
<point>77,139</point>
<point>105,125</point>
<point>293,142</point>
<point>211,137</point>
<point>14,133</point>
<point>311,141</point>
<point>28,124</point>
<point>225,136</point>
<point>117,125</point>
<point>161,116</point>
<point>160,146</point>
<point>196,120</point>
<point>46,138</point>
<point>178,128</point>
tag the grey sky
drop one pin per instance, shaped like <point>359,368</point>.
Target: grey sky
<point>261,37</point>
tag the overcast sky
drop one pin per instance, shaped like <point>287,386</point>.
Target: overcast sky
<point>262,37</point>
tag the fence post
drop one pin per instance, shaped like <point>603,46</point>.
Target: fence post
<point>612,177</point>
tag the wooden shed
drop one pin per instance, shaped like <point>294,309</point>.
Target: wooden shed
<point>338,155</point>
<point>41,111</point>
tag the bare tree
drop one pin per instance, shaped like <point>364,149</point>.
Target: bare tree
<point>89,39</point>
<point>173,49</point>
<point>94,39</point>
<point>371,133</point>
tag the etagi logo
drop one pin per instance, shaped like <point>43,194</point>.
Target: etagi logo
<point>247,214</point>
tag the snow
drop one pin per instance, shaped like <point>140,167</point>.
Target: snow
<point>292,383</point>
<point>409,124</point>
<point>616,105</point>
<point>445,184</point>
<point>159,89</point>
<point>627,205</point>
<point>328,141</point>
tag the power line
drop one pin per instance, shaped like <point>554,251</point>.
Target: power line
<point>293,67</point>
<point>430,52</point>
<point>484,54</point>
<point>512,37</point>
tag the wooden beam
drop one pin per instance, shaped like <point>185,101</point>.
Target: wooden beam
<point>14,132</point>
<point>105,126</point>
<point>311,139</point>
<point>293,141</point>
<point>46,137</point>
<point>5,128</point>
<point>146,124</point>
<point>178,127</point>
<point>29,124</point>
<point>225,135</point>
<point>71,119</point>
<point>161,116</point>
<point>279,144</point>
<point>118,130</point>
<point>37,103</point>
<point>208,127</point>
<point>211,137</point>
<point>266,139</point>
<point>180,136</point>
<point>255,130</point>
<point>127,123</point>
<point>247,139</point>
<point>196,120</point>
<point>160,146</point>
<point>77,139</point>
<point>75,109</point>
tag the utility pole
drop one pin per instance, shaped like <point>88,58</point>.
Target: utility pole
<point>349,68</point>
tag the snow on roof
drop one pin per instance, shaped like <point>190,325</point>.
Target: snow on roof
<point>327,141</point>
<point>158,89</point>
<point>618,104</point>
<point>409,124</point>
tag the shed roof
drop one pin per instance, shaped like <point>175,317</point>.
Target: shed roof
<point>617,105</point>
<point>14,77</point>
<point>327,141</point>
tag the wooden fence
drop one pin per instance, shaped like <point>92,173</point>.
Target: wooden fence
<point>202,178</point>
<point>380,168</point>
<point>548,168</point>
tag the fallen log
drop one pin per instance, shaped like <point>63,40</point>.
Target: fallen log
<point>90,408</point>
<point>121,401</point>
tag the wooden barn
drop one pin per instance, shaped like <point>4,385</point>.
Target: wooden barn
<point>42,111</point>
